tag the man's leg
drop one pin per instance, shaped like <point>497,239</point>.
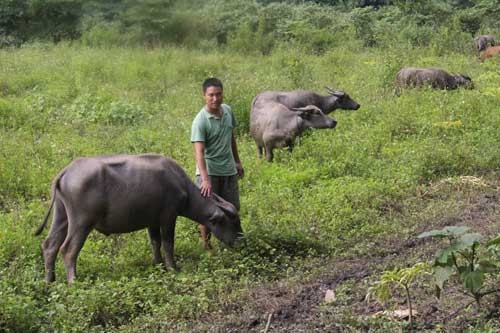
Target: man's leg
<point>204,231</point>
<point>229,190</point>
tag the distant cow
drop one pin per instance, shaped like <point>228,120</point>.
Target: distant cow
<point>484,41</point>
<point>490,52</point>
<point>436,78</point>
<point>125,193</point>
<point>337,99</point>
<point>277,118</point>
<point>273,125</point>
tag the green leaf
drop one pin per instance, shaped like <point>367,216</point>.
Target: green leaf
<point>465,242</point>
<point>443,257</point>
<point>441,274</point>
<point>473,280</point>
<point>470,239</point>
<point>493,242</point>
<point>445,232</point>
<point>433,233</point>
<point>487,266</point>
<point>456,231</point>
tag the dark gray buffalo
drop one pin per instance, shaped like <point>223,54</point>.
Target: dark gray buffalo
<point>125,193</point>
<point>337,99</point>
<point>436,78</point>
<point>484,41</point>
<point>277,118</point>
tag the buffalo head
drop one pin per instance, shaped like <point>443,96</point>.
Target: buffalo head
<point>343,100</point>
<point>225,221</point>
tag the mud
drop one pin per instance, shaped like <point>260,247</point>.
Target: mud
<point>286,306</point>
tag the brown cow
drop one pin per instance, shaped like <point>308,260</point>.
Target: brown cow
<point>490,52</point>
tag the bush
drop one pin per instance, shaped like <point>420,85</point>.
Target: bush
<point>102,109</point>
<point>104,35</point>
<point>363,20</point>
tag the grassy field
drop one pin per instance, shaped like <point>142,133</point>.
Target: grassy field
<point>336,196</point>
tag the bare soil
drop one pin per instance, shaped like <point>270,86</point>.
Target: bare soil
<point>299,306</point>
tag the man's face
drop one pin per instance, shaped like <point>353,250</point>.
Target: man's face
<point>213,98</point>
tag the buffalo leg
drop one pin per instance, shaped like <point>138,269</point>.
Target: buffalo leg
<point>155,237</point>
<point>291,145</point>
<point>52,243</point>
<point>259,151</point>
<point>167,240</point>
<point>78,230</point>
<point>269,154</point>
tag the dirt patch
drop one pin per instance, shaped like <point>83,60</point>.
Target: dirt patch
<point>286,306</point>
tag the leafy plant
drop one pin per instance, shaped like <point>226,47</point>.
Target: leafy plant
<point>401,277</point>
<point>462,257</point>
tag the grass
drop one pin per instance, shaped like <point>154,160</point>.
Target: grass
<point>334,195</point>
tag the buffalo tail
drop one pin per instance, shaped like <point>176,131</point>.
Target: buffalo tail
<point>55,185</point>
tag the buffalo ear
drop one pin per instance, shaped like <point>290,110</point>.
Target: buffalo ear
<point>307,111</point>
<point>216,216</point>
<point>225,206</point>
<point>307,108</point>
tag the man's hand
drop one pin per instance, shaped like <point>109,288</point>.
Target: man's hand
<point>206,187</point>
<point>239,169</point>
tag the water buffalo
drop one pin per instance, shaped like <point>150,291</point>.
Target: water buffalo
<point>125,193</point>
<point>278,117</point>
<point>434,77</point>
<point>490,52</point>
<point>337,99</point>
<point>482,42</point>
<point>273,125</point>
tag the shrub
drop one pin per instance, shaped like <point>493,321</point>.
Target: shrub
<point>363,20</point>
<point>99,109</point>
<point>104,35</point>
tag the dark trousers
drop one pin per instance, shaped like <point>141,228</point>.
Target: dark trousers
<point>227,188</point>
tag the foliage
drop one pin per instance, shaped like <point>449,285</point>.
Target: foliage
<point>463,258</point>
<point>102,110</point>
<point>247,26</point>
<point>363,21</point>
<point>337,194</point>
<point>401,277</point>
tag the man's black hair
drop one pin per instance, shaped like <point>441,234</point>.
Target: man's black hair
<point>211,82</point>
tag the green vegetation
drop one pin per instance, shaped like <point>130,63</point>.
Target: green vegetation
<point>403,278</point>
<point>121,80</point>
<point>463,257</point>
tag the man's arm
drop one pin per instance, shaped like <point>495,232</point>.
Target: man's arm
<point>234,148</point>
<point>199,154</point>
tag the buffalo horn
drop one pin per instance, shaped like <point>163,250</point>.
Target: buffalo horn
<point>337,93</point>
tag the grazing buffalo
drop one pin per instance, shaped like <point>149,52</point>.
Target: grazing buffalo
<point>433,77</point>
<point>125,193</point>
<point>337,99</point>
<point>273,125</point>
<point>490,52</point>
<point>482,42</point>
<point>277,118</point>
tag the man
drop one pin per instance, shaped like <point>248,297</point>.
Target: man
<point>218,164</point>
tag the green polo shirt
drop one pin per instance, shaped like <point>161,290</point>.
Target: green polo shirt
<point>216,133</point>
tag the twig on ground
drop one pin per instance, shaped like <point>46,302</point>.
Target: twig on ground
<point>268,322</point>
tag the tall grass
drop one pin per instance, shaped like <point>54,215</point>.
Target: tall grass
<point>337,190</point>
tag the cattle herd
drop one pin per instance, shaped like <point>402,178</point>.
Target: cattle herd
<point>125,193</point>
